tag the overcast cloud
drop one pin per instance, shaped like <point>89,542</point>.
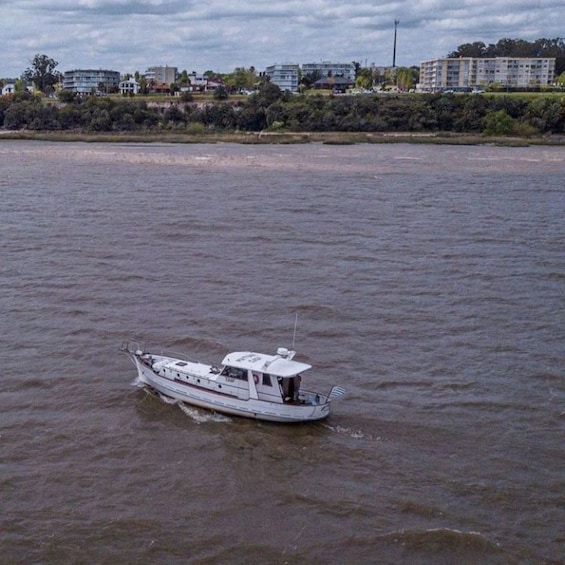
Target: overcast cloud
<point>220,35</point>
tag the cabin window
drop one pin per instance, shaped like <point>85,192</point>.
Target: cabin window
<point>235,373</point>
<point>181,363</point>
<point>266,380</point>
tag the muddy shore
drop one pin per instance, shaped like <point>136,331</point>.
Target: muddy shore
<point>330,138</point>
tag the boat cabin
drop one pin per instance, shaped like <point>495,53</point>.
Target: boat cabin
<point>275,378</point>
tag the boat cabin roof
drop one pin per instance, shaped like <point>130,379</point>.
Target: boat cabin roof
<point>272,364</point>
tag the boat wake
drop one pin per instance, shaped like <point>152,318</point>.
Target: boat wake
<point>438,542</point>
<point>355,434</point>
<point>197,415</point>
<point>201,416</point>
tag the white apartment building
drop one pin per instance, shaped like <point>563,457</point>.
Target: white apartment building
<point>465,73</point>
<point>285,76</point>
<point>162,75</point>
<point>326,69</point>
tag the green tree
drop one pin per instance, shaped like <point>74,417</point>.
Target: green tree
<point>267,94</point>
<point>220,93</point>
<point>357,66</point>
<point>364,78</point>
<point>406,78</point>
<point>547,115</point>
<point>476,49</point>
<point>42,73</point>
<point>309,79</point>
<point>143,86</point>
<point>67,96</point>
<point>243,79</point>
<point>499,123</point>
<point>174,115</point>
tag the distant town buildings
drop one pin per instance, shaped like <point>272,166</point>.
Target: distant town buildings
<point>466,73</point>
<point>287,75</point>
<point>457,74</point>
<point>91,81</point>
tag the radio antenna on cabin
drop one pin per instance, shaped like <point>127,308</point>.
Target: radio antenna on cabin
<point>294,332</point>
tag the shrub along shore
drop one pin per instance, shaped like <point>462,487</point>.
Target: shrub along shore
<point>270,116</point>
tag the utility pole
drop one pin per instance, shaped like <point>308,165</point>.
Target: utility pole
<point>396,22</point>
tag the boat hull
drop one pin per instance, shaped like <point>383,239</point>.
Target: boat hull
<point>228,404</point>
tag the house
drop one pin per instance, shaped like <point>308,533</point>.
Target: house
<point>8,88</point>
<point>129,87</point>
<point>199,83</point>
<point>335,84</point>
<point>158,88</point>
<point>213,84</point>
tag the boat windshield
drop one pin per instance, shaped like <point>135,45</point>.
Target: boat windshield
<point>234,373</point>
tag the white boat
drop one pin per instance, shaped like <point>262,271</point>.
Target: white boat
<point>254,385</point>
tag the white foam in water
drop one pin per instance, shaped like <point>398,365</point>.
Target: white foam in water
<point>201,416</point>
<point>167,399</point>
<point>355,434</point>
<point>198,415</point>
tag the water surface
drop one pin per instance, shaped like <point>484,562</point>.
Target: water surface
<point>429,281</point>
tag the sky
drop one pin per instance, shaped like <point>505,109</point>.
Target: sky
<point>221,35</point>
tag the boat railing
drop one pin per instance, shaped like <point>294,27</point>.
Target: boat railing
<point>132,346</point>
<point>314,398</point>
<point>175,354</point>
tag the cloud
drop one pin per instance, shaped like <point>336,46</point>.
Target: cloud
<point>130,35</point>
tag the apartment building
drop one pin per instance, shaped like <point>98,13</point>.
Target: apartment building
<point>327,69</point>
<point>285,76</point>
<point>162,75</point>
<point>91,81</point>
<point>465,73</point>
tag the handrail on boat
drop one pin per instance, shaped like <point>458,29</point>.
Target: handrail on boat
<point>132,346</point>
<point>177,355</point>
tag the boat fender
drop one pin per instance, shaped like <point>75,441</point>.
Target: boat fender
<point>255,378</point>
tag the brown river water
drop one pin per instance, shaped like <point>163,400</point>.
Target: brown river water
<point>429,281</point>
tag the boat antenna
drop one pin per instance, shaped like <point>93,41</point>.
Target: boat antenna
<point>294,332</point>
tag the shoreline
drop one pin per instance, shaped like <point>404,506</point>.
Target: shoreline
<point>281,138</point>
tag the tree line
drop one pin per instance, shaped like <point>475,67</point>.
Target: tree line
<point>271,109</point>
